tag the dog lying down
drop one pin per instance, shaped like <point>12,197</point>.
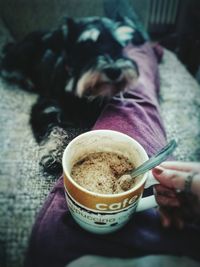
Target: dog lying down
<point>75,69</point>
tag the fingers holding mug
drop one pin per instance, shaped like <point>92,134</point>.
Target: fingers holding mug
<point>180,181</point>
<point>178,195</point>
<point>166,197</point>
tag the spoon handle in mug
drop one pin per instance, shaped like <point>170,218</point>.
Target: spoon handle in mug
<point>155,160</point>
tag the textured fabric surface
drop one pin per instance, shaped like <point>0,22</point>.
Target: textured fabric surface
<point>23,188</point>
<point>180,107</point>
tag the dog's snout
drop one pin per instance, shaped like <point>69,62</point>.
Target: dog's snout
<point>113,73</point>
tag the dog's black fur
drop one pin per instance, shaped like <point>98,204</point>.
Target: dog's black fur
<point>75,69</point>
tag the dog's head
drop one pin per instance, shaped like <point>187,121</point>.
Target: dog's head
<point>94,57</point>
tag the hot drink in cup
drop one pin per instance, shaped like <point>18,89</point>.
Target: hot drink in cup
<point>93,163</point>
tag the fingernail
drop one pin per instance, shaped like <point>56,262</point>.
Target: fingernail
<point>158,170</point>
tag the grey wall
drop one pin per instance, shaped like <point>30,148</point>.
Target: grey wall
<point>23,16</point>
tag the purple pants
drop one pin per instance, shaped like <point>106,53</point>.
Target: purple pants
<point>56,239</point>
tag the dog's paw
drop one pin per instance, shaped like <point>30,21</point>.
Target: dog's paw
<point>51,151</point>
<point>16,76</point>
<point>50,165</point>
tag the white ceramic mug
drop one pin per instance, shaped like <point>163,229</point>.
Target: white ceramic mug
<point>104,213</point>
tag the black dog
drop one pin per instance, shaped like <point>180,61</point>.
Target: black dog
<point>75,69</point>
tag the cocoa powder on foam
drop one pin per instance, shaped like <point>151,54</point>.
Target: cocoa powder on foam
<point>98,172</point>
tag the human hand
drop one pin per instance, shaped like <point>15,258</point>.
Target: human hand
<point>178,194</point>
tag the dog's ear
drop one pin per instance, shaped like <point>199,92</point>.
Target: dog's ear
<point>61,37</point>
<point>128,31</point>
<point>67,25</point>
<point>124,33</point>
<point>69,29</point>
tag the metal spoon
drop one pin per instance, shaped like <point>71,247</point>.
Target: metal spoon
<point>126,180</point>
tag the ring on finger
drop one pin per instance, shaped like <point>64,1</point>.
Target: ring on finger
<point>188,182</point>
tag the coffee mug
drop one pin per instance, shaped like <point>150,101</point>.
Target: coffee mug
<point>104,213</point>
